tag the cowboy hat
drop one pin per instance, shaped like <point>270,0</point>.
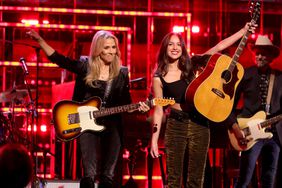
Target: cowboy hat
<point>264,43</point>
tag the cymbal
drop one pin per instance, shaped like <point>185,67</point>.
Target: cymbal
<point>13,95</point>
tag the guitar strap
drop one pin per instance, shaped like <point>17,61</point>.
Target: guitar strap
<point>269,93</point>
<point>107,92</point>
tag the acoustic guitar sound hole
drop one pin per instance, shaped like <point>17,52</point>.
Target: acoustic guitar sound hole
<point>226,76</point>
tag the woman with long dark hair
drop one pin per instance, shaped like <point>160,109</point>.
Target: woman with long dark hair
<point>186,129</point>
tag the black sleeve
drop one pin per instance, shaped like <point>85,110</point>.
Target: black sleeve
<point>79,90</point>
<point>232,118</point>
<point>69,64</point>
<point>200,60</point>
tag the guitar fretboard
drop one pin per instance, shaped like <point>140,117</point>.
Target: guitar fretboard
<point>271,121</point>
<point>239,51</point>
<point>116,110</point>
<point>74,118</point>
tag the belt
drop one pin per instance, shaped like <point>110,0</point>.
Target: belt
<point>178,115</point>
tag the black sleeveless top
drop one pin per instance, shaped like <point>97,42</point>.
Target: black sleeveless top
<point>174,90</point>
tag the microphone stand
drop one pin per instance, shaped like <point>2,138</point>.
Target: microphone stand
<point>33,106</point>
<point>31,109</point>
<point>38,181</point>
<point>36,184</point>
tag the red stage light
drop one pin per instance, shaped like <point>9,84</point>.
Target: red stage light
<point>195,29</point>
<point>45,21</point>
<point>178,29</point>
<point>39,82</point>
<point>47,146</point>
<point>30,64</point>
<point>46,83</point>
<point>30,21</point>
<point>141,177</point>
<point>34,128</point>
<point>253,36</point>
<point>100,12</point>
<point>53,83</point>
<point>43,128</point>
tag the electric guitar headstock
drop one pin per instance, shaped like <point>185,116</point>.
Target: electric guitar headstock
<point>162,102</point>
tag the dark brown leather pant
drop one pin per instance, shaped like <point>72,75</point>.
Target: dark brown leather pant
<point>184,135</point>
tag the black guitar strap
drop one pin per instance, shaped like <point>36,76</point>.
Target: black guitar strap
<point>107,92</point>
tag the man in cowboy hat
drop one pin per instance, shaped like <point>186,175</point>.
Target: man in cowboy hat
<point>259,93</point>
<point>267,50</point>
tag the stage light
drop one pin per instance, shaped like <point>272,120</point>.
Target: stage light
<point>178,29</point>
<point>40,110</point>
<point>253,36</point>
<point>46,82</point>
<point>53,83</point>
<point>141,177</point>
<point>31,64</point>
<point>47,146</point>
<point>45,21</point>
<point>195,29</point>
<point>34,128</point>
<point>152,28</point>
<point>99,12</point>
<point>126,154</point>
<point>30,22</point>
<point>39,82</point>
<point>43,128</point>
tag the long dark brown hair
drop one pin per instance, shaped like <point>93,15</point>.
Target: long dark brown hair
<point>184,63</point>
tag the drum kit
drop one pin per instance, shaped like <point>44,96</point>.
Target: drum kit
<point>12,123</point>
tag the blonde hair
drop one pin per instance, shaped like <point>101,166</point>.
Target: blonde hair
<point>95,62</point>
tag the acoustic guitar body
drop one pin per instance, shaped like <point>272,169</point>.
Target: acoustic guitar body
<point>212,92</point>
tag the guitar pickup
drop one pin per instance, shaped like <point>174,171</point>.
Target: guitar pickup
<point>72,130</point>
<point>73,118</point>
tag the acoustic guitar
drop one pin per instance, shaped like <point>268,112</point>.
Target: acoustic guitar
<point>71,119</point>
<point>253,129</point>
<point>212,93</point>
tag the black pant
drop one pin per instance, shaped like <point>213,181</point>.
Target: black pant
<point>100,151</point>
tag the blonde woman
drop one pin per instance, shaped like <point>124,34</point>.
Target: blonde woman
<point>103,76</point>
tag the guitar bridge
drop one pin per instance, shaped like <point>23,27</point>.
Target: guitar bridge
<point>218,93</point>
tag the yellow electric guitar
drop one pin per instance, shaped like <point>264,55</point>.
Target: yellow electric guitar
<point>71,118</point>
<point>253,129</point>
<point>213,91</point>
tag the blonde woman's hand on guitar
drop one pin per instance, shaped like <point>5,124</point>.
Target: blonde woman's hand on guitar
<point>240,136</point>
<point>143,107</point>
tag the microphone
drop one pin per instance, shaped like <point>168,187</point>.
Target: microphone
<point>24,66</point>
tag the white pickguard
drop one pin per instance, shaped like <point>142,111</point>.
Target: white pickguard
<point>87,121</point>
<point>257,132</point>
